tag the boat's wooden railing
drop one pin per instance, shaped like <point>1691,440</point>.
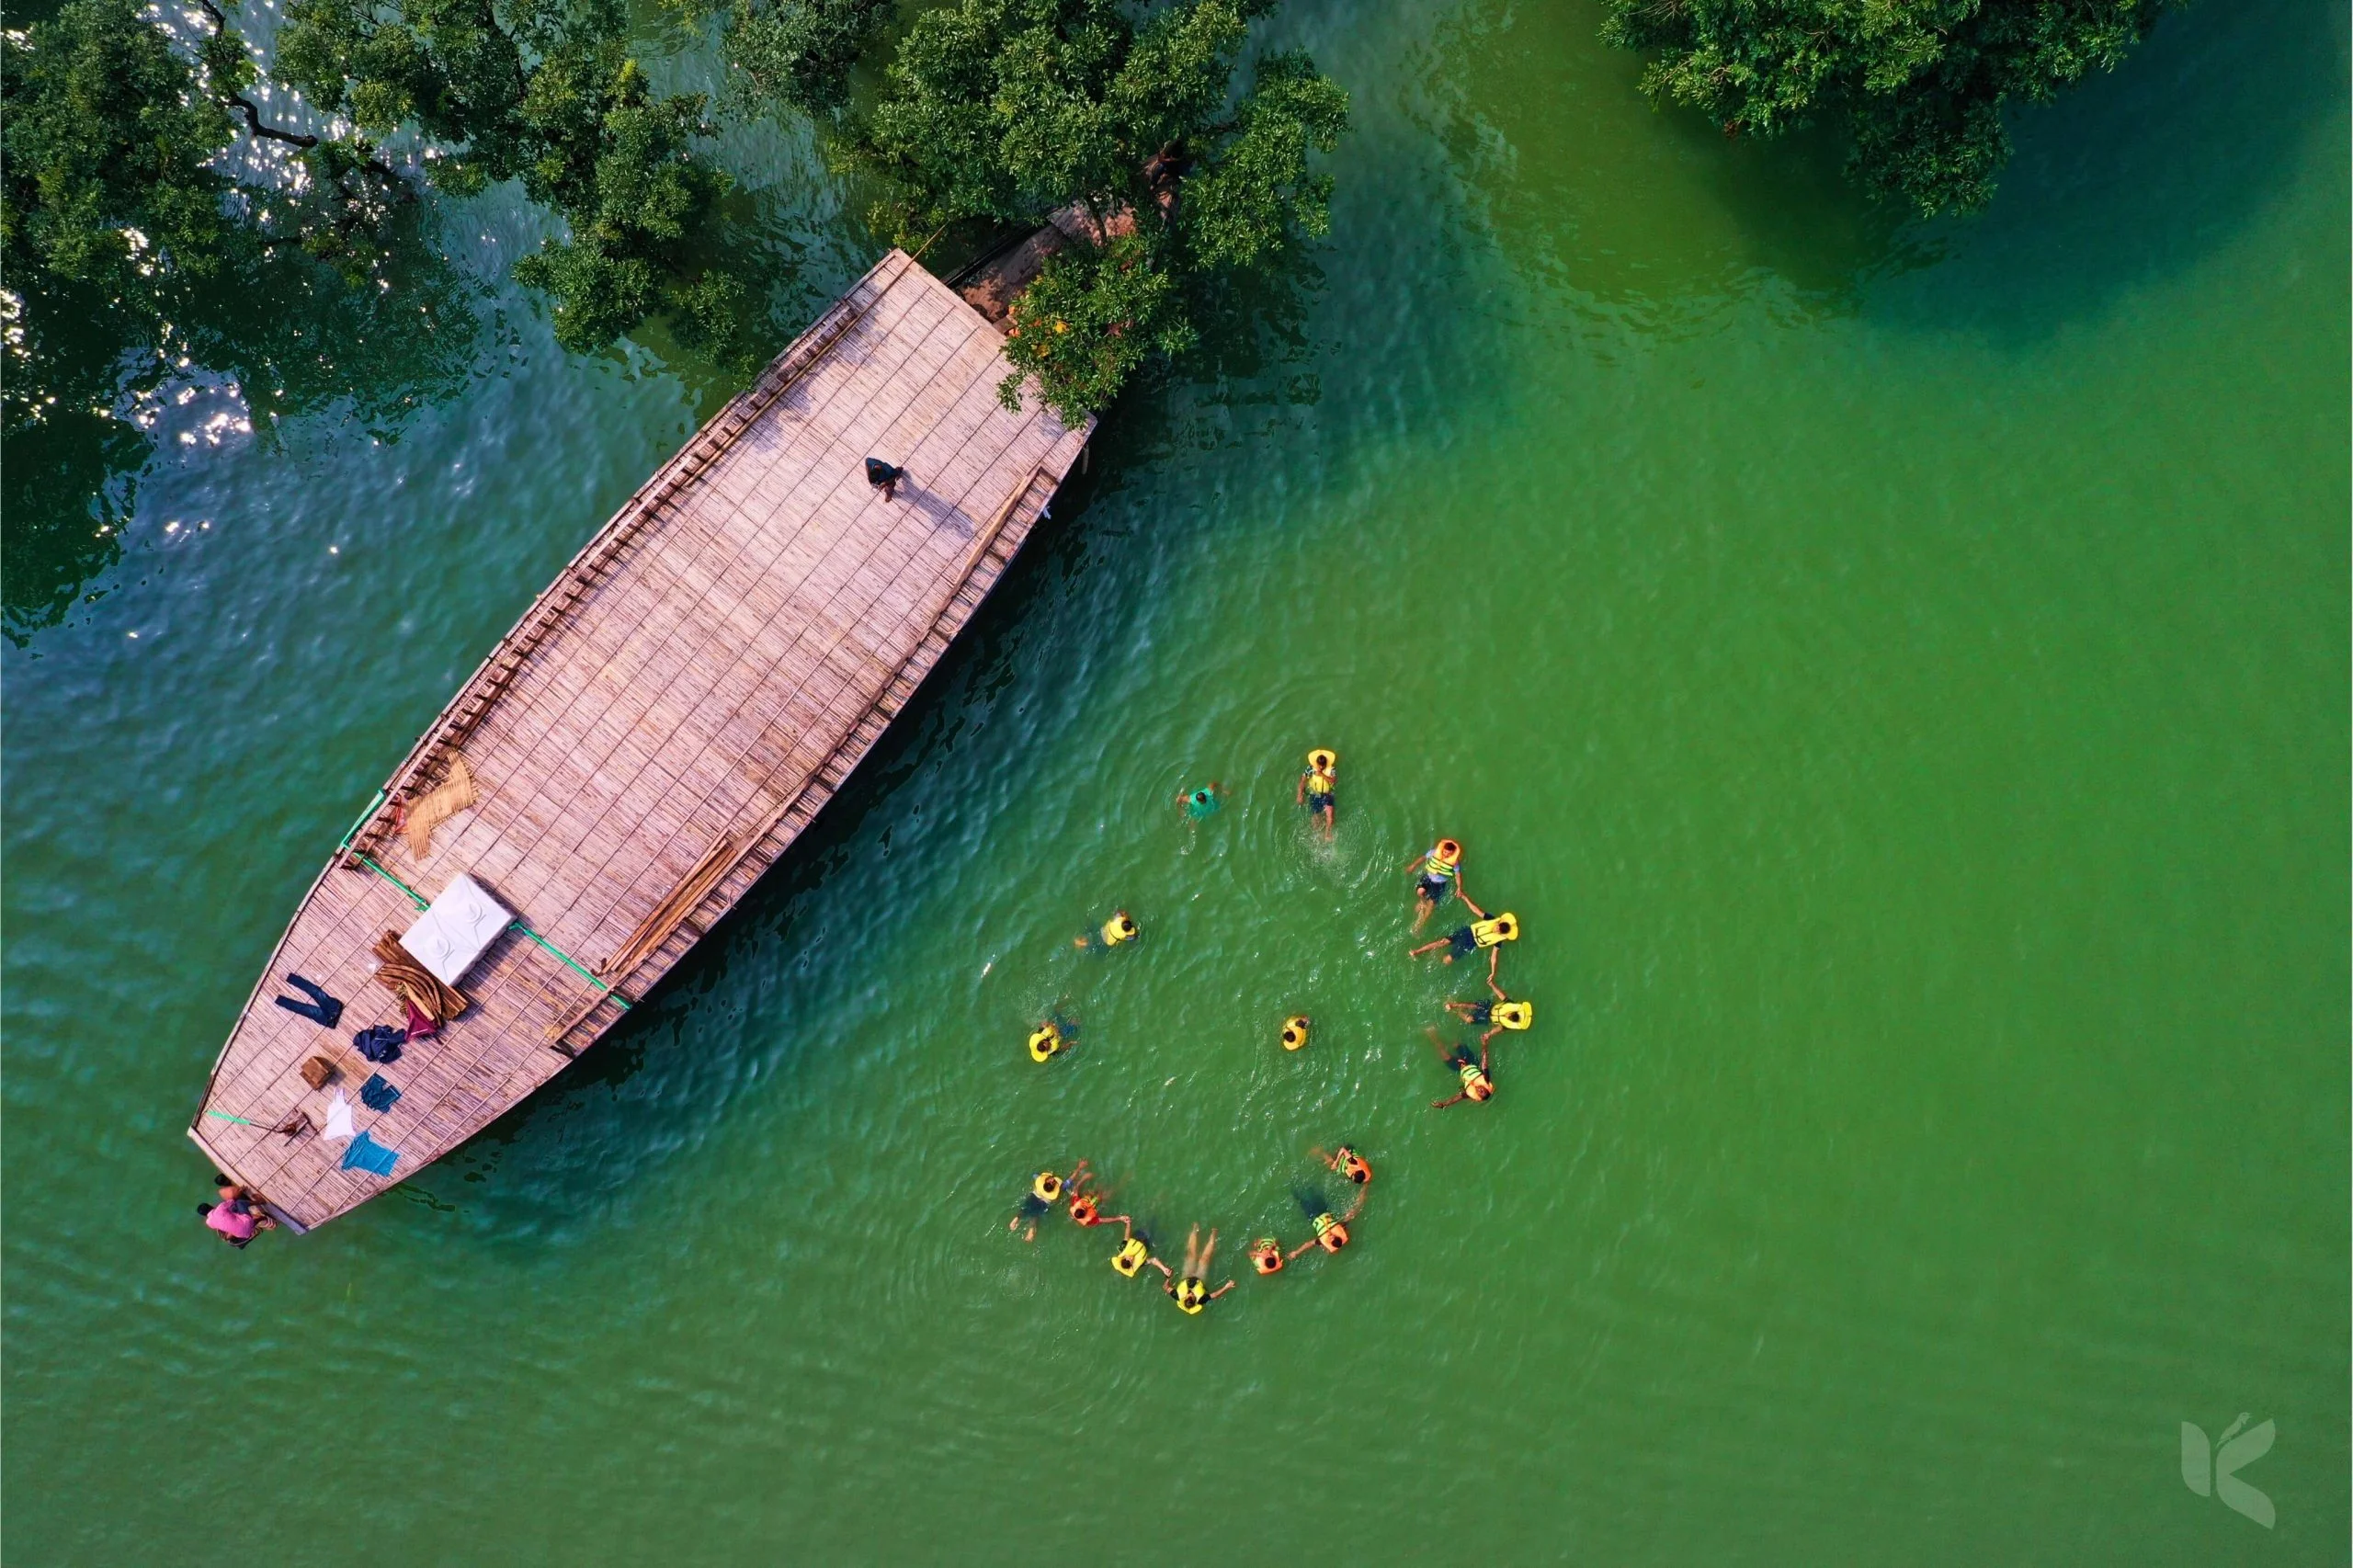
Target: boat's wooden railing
<point>428,759</point>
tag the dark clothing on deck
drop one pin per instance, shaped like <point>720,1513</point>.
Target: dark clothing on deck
<point>321,1009</point>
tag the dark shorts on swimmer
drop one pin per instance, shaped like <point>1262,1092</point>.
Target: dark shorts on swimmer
<point>1432,889</point>
<point>1032,1206</point>
<point>1482,1012</point>
<point>1462,941</point>
<point>1318,803</point>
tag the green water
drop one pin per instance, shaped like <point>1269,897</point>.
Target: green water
<point>1898,674</point>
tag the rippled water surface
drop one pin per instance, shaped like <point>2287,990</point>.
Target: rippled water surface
<point>1897,673</point>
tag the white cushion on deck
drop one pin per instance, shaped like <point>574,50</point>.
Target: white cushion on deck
<point>448,937</point>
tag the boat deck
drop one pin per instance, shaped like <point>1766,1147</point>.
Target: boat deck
<point>661,724</point>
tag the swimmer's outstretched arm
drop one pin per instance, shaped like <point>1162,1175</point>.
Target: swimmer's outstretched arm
<point>1492,986</point>
<point>1298,796</point>
<point>1354,1209</point>
<point>1301,1247</point>
<point>1494,957</point>
<point>1466,897</point>
<point>1166,1272</point>
<point>1220,1289</point>
<point>1458,1095</point>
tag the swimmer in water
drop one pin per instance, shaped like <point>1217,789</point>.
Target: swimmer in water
<point>1318,785</point>
<point>1267,1256</point>
<point>1331,1235</point>
<point>1048,1041</point>
<point>1045,1191</point>
<point>1477,1087</point>
<point>1190,1291</point>
<point>1087,1207</point>
<point>1349,1162</point>
<point>1198,805</point>
<point>1117,929</point>
<point>1203,804</point>
<point>1482,932</point>
<point>1442,874</point>
<point>1133,1254</point>
<point>1501,1014</point>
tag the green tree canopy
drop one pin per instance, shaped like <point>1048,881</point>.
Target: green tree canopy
<point>796,53</point>
<point>1919,84</point>
<point>546,92</point>
<point>1016,109</point>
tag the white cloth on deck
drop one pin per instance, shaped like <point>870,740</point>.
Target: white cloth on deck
<point>451,935</point>
<point>339,1118</point>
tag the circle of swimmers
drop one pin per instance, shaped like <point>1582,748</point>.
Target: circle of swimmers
<point>1437,877</point>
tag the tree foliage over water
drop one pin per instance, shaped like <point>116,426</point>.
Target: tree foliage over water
<point>1919,84</point>
<point>543,91</point>
<point>156,220</point>
<point>1014,109</point>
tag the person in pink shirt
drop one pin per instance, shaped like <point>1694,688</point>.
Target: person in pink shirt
<point>235,1218</point>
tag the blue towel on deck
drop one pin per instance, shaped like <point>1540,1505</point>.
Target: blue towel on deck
<point>376,1094</point>
<point>365,1154</point>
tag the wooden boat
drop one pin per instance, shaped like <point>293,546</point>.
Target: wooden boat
<point>656,729</point>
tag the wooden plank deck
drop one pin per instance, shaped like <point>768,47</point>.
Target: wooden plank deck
<point>657,729</point>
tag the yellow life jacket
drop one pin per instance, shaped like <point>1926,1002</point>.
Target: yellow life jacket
<point>1129,1259</point>
<point>1117,929</point>
<point>1320,783</point>
<point>1323,759</point>
<point>1045,1042</point>
<point>1439,868</point>
<point>1047,1188</point>
<point>1475,1082</point>
<point>1192,1295</point>
<point>1295,1031</point>
<point>1504,927</point>
<point>1514,1014</point>
<point>1330,1234</point>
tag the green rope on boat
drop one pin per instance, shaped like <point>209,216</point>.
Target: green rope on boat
<point>573,965</point>
<point>419,900</point>
<point>226,1117</point>
<point>381,796</point>
<point>414,897</point>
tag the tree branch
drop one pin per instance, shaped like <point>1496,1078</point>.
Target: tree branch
<point>253,122</point>
<point>253,115</point>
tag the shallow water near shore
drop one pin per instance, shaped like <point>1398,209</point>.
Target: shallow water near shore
<point>1898,674</point>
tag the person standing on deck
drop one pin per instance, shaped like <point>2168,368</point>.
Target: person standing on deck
<point>885,477</point>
